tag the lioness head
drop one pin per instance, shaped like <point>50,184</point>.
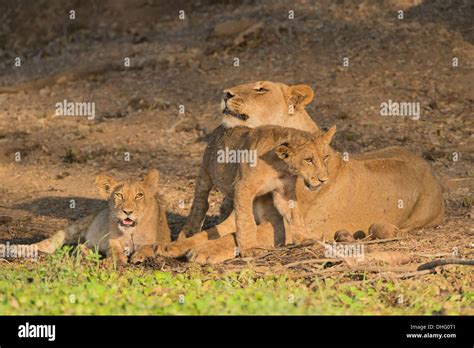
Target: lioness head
<point>128,200</point>
<point>267,103</point>
<point>310,159</point>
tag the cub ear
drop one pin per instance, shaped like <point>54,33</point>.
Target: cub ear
<point>106,185</point>
<point>300,95</point>
<point>151,180</point>
<point>284,151</point>
<point>327,137</point>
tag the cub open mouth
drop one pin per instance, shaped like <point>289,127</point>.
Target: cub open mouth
<point>127,222</point>
<point>228,111</point>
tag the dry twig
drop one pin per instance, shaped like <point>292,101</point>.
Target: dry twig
<point>443,262</point>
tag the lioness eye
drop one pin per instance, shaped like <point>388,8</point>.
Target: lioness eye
<point>261,90</point>
<point>119,195</point>
<point>308,160</point>
<point>139,195</point>
<point>326,157</point>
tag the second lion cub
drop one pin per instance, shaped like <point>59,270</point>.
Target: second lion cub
<point>283,155</point>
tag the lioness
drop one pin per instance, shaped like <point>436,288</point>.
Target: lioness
<point>277,167</point>
<point>245,106</point>
<point>133,224</point>
<point>392,188</point>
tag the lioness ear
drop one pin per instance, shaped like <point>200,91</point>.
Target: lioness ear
<point>151,180</point>
<point>106,184</point>
<point>300,95</point>
<point>283,151</point>
<point>327,137</point>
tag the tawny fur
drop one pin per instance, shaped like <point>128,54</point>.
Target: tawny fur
<point>392,186</point>
<point>263,103</point>
<point>283,155</point>
<point>104,231</point>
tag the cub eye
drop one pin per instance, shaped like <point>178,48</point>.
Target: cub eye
<point>139,195</point>
<point>308,160</point>
<point>326,157</point>
<point>261,90</point>
<point>119,195</point>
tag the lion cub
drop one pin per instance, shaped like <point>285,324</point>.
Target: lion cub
<point>244,107</point>
<point>283,156</point>
<point>132,226</point>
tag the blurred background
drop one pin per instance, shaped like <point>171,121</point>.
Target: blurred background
<point>189,61</point>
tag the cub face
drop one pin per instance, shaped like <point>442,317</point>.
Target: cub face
<point>263,103</point>
<point>128,200</point>
<point>309,160</point>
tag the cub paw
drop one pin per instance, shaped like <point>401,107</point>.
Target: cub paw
<point>116,253</point>
<point>116,259</point>
<point>142,254</point>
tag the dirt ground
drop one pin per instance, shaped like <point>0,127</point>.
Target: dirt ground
<point>189,62</point>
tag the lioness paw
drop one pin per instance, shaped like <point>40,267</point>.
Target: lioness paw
<point>383,231</point>
<point>252,252</point>
<point>209,256</point>
<point>181,236</point>
<point>174,249</point>
<point>299,238</point>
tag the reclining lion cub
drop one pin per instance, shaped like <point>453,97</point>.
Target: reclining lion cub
<point>391,188</point>
<point>249,105</point>
<point>133,224</point>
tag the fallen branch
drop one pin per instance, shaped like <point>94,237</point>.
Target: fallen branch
<point>306,243</point>
<point>247,259</point>
<point>443,262</point>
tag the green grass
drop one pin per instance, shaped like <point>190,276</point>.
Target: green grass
<point>64,284</point>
